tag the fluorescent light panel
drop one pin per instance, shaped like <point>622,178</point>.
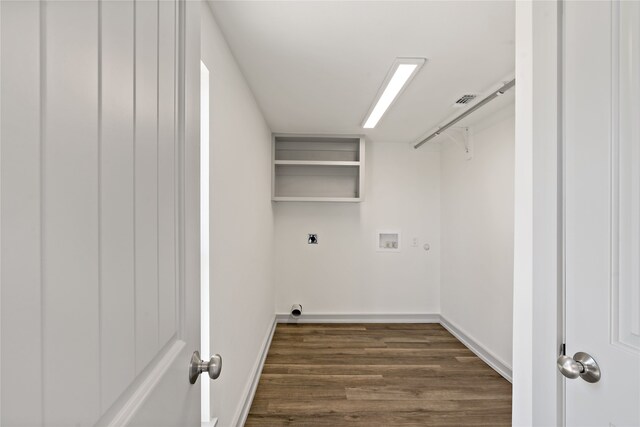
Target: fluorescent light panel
<point>401,73</point>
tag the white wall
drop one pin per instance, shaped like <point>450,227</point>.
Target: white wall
<point>344,274</point>
<point>477,234</point>
<point>242,293</point>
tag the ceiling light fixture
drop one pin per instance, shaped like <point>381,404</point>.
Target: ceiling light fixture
<point>401,73</point>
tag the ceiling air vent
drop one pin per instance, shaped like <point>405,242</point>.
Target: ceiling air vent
<point>464,100</point>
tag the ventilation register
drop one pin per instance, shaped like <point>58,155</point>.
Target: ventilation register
<point>464,100</point>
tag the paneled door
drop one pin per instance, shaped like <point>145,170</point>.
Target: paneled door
<point>99,212</point>
<point>602,218</point>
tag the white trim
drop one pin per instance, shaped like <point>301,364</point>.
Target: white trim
<point>212,423</point>
<point>360,318</point>
<point>315,163</point>
<point>205,386</point>
<point>538,211</point>
<point>488,357</point>
<point>523,294</point>
<point>250,390</point>
<point>317,199</point>
<point>148,385</point>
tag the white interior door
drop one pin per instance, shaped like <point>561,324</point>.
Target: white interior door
<point>99,212</point>
<point>602,200</point>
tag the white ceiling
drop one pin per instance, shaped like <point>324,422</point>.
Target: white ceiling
<point>316,66</point>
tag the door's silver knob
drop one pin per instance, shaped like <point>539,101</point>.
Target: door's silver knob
<point>569,367</point>
<point>581,365</point>
<point>198,366</point>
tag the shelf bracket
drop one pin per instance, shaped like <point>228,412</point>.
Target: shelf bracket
<point>462,137</point>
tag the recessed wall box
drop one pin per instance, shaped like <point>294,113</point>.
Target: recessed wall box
<point>388,241</point>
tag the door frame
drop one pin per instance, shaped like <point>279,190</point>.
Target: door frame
<point>189,134</point>
<point>538,328</point>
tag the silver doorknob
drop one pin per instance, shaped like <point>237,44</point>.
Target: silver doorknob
<point>198,366</point>
<point>581,365</point>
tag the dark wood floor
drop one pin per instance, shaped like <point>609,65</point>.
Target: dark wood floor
<point>376,375</point>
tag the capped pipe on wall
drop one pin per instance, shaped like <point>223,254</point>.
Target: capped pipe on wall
<point>296,310</point>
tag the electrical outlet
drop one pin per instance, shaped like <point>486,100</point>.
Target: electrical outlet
<point>414,242</point>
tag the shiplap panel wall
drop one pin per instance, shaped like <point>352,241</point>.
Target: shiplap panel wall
<point>88,164</point>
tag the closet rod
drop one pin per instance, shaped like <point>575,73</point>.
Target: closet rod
<point>486,100</point>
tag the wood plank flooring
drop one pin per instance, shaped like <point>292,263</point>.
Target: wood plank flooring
<point>376,375</point>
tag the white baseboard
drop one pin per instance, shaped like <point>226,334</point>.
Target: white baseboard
<point>489,358</point>
<point>250,390</point>
<point>212,423</point>
<point>360,318</point>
